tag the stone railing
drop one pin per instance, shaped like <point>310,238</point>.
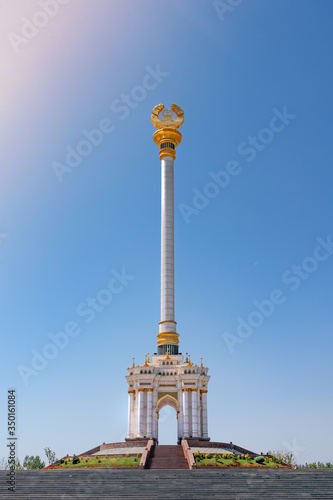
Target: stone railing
<point>188,454</point>
<point>146,454</point>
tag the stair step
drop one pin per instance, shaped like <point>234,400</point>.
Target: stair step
<point>213,484</point>
<point>167,457</point>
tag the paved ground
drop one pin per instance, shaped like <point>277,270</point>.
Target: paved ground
<point>121,451</point>
<point>225,484</point>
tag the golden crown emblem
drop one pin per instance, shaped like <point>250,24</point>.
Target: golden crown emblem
<point>164,118</point>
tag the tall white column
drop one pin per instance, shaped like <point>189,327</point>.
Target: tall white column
<point>185,412</point>
<point>204,415</point>
<point>180,427</point>
<point>154,415</point>
<point>130,413</point>
<point>149,413</point>
<point>194,413</point>
<point>167,138</point>
<point>199,418</point>
<point>140,412</point>
<point>167,245</point>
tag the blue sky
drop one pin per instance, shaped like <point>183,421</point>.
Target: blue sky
<point>255,83</point>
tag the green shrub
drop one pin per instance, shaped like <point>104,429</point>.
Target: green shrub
<point>62,461</point>
<point>87,459</point>
<point>259,460</point>
<point>207,455</point>
<point>198,456</point>
<point>76,460</point>
<point>99,461</point>
<point>138,455</point>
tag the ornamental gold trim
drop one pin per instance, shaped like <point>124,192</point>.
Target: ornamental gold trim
<point>167,338</point>
<point>131,392</point>
<point>167,395</point>
<point>167,321</point>
<point>203,391</point>
<point>167,135</point>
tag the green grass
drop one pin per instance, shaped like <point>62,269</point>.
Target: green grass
<point>103,462</point>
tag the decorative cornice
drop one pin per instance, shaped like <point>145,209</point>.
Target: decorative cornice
<point>167,338</point>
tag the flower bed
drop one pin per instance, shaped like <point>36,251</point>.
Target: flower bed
<point>98,462</point>
<point>237,464</point>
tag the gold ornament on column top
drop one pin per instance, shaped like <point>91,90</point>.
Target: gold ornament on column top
<point>163,119</point>
<point>167,337</point>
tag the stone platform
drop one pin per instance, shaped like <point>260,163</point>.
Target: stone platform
<point>223,484</point>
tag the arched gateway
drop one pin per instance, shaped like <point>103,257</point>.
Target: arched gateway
<point>167,379</point>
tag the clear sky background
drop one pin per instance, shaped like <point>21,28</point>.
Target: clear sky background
<point>62,236</point>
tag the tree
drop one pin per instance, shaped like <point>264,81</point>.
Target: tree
<point>283,457</point>
<point>50,455</point>
<point>32,462</point>
<point>4,465</point>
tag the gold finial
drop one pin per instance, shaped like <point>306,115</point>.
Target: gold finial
<point>187,357</point>
<point>133,366</point>
<point>167,355</point>
<point>189,360</point>
<point>167,120</point>
<point>201,365</point>
<point>148,358</point>
<point>167,137</point>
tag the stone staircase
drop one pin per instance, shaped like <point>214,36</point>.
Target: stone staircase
<point>167,457</point>
<point>223,484</point>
